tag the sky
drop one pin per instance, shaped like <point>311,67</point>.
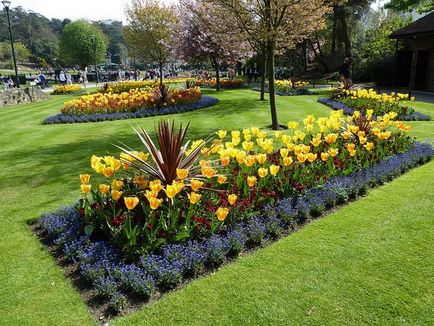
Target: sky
<point>76,9</point>
<point>88,9</point>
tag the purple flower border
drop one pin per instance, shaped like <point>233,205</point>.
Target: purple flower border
<point>102,265</point>
<point>204,102</point>
<point>335,105</point>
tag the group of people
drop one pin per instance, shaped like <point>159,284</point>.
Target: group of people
<point>8,82</point>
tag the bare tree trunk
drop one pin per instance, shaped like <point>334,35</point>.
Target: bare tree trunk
<point>270,58</point>
<point>318,55</point>
<point>263,69</point>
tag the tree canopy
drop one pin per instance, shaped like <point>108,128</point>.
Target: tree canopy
<point>150,31</point>
<point>81,43</point>
<point>422,6</point>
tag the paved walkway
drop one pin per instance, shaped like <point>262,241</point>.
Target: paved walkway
<point>423,96</point>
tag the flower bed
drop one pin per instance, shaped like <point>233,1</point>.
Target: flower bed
<point>335,105</point>
<point>288,88</point>
<point>224,83</point>
<point>157,217</point>
<point>126,86</point>
<point>377,104</point>
<point>67,89</point>
<point>102,265</point>
<point>204,102</point>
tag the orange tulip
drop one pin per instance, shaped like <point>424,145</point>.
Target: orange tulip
<point>154,203</point>
<point>251,181</point>
<point>84,178</point>
<point>196,184</point>
<point>108,171</point>
<point>131,202</point>
<point>232,199</point>
<point>194,197</point>
<point>222,213</point>
<point>104,188</point>
<point>222,179</point>
<point>287,161</point>
<point>325,156</point>
<point>225,160</point>
<point>182,173</point>
<point>85,188</point>
<point>116,194</point>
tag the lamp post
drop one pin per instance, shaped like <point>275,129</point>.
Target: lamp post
<point>94,58</point>
<point>6,5</point>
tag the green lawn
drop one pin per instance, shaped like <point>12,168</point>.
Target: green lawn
<point>370,262</point>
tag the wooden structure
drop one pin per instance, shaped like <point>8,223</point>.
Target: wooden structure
<point>421,33</point>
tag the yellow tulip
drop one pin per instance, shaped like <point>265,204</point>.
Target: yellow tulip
<point>346,135</point>
<point>208,172</point>
<point>103,188</point>
<point>108,171</point>
<point>240,157</point>
<point>248,145</point>
<point>369,146</point>
<point>301,157</point>
<point>221,133</point>
<point>333,151</point>
<point>117,184</point>
<point>196,184</point>
<point>351,147</point>
<point>84,178</point>
<point>85,188</point>
<point>116,194</point>
<point>222,179</point>
<point>261,158</point>
<point>274,169</point>
<point>155,185</point>
<point>222,213</point>
<point>315,142</point>
<point>284,152</point>
<point>331,138</point>
<point>287,161</point>
<point>154,203</point>
<point>311,157</point>
<point>171,191</point>
<point>325,156</point>
<point>353,153</point>
<point>232,199</point>
<point>251,181</point>
<point>362,140</point>
<point>131,202</point>
<point>182,173</point>
<point>250,160</point>
<point>262,172</point>
<point>194,197</point>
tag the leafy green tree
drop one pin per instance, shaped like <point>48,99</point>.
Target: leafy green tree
<point>81,43</point>
<point>21,52</point>
<point>150,31</point>
<point>422,6</point>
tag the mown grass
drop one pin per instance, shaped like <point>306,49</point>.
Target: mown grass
<point>369,262</point>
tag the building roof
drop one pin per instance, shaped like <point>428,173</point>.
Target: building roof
<point>422,27</point>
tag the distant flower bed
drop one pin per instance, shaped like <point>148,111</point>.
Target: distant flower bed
<point>204,102</point>
<point>224,83</point>
<point>152,217</point>
<point>131,101</point>
<point>369,102</point>
<point>126,86</point>
<point>67,89</point>
<point>336,105</point>
<point>290,85</point>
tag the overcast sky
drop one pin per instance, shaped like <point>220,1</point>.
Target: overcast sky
<point>75,9</point>
<point>89,9</point>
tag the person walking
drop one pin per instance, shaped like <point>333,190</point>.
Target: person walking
<point>62,78</point>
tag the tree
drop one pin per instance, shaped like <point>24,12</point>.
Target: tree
<point>278,23</point>
<point>81,44</point>
<point>21,52</point>
<point>150,31</point>
<point>422,6</point>
<point>203,36</point>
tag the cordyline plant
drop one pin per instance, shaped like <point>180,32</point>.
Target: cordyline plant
<point>168,156</point>
<point>156,202</point>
